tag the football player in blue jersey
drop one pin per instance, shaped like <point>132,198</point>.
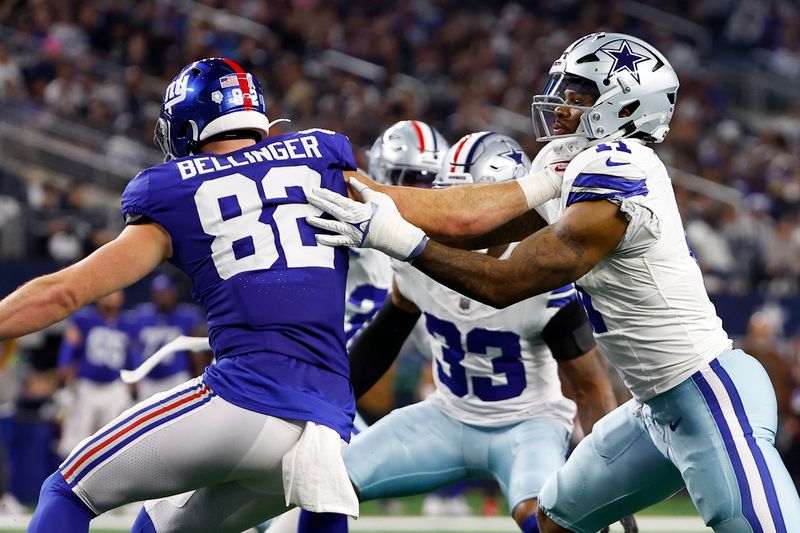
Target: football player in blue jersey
<point>266,424</point>
<point>96,346</point>
<point>155,324</point>
<point>703,414</point>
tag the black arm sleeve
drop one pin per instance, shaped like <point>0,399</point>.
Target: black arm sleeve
<point>131,219</point>
<point>378,344</point>
<point>568,334</point>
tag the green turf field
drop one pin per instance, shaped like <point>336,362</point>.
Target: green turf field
<point>659,518</point>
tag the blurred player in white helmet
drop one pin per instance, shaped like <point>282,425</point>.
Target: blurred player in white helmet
<point>409,152</point>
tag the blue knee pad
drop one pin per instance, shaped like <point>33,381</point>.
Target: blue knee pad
<point>143,524</point>
<point>59,505</point>
<point>322,523</point>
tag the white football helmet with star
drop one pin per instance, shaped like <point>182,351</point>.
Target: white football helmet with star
<point>634,85</point>
<point>483,157</point>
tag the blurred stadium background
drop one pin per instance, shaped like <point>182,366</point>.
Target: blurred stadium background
<point>81,81</point>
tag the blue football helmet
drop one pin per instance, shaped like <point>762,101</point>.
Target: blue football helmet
<point>209,98</point>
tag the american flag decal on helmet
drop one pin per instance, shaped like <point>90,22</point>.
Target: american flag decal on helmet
<point>231,80</point>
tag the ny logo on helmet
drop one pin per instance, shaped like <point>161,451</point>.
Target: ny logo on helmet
<point>624,58</point>
<point>176,92</point>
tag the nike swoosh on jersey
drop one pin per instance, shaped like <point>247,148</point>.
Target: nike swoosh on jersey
<point>611,163</point>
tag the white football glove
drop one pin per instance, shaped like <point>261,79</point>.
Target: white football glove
<point>547,171</point>
<point>375,223</point>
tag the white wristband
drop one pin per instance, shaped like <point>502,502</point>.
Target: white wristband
<point>539,188</point>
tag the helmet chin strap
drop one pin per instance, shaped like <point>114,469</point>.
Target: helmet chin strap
<point>273,122</point>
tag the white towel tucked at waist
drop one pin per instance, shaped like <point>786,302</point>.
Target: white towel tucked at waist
<point>314,475</point>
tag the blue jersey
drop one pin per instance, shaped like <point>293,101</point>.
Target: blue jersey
<point>272,296</point>
<point>153,329</point>
<point>104,348</point>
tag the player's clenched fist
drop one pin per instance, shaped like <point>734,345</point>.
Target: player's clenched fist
<point>373,223</point>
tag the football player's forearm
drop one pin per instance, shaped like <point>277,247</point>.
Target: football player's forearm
<point>378,344</point>
<point>35,305</point>
<point>588,375</point>
<point>594,403</point>
<point>513,231</point>
<point>460,212</point>
<point>113,266</point>
<point>540,263</point>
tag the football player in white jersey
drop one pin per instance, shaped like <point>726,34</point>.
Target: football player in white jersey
<point>703,415</point>
<point>410,153</point>
<point>498,410</point>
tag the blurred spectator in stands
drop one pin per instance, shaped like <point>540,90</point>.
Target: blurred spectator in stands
<point>47,217</point>
<point>709,245</point>
<point>64,94</point>
<point>781,253</point>
<point>764,342</point>
<point>11,83</point>
<point>745,227</point>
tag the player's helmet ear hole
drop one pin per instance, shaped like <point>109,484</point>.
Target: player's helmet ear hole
<point>606,82</point>
<point>184,129</point>
<point>629,109</point>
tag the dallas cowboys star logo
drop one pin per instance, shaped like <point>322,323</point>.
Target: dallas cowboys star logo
<point>625,59</point>
<point>514,155</point>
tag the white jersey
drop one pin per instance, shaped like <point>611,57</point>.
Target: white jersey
<point>491,366</point>
<point>645,300</point>
<point>369,281</point>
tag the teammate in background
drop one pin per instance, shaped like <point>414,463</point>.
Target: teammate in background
<point>703,415</point>
<point>158,322</point>
<point>409,152</point>
<point>96,346</point>
<point>227,207</point>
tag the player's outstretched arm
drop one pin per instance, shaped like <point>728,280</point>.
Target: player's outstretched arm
<point>377,345</point>
<point>570,339</point>
<point>51,298</point>
<point>457,213</point>
<point>550,258</point>
<point>588,376</point>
